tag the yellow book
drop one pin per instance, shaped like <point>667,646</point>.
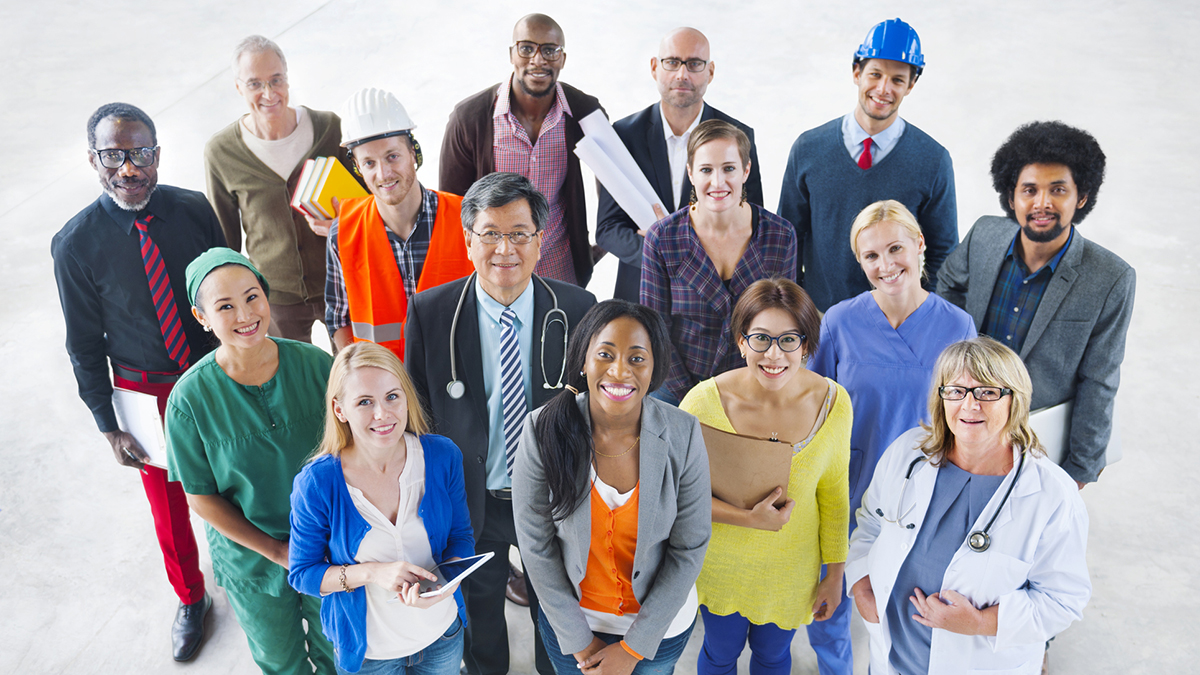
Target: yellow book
<point>336,182</point>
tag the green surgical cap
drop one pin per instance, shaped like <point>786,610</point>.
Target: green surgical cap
<point>206,262</point>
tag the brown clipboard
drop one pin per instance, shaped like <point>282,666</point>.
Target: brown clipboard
<point>746,469</point>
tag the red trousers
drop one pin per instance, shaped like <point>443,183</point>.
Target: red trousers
<point>172,519</point>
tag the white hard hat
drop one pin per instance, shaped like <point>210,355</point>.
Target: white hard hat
<point>373,113</point>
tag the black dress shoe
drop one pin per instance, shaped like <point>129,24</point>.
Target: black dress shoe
<point>188,630</point>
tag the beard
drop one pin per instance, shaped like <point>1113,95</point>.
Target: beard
<point>1043,236</point>
<point>549,90</point>
<point>127,205</point>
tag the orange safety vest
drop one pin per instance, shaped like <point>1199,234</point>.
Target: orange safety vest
<point>374,287</point>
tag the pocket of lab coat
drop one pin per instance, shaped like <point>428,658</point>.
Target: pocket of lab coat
<point>1003,574</point>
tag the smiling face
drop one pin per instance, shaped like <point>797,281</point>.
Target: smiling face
<point>373,405</point>
<point>882,85</point>
<point>235,306</point>
<point>535,75</point>
<point>504,269</point>
<point>717,173</point>
<point>619,366</point>
<point>682,88</point>
<point>129,186</point>
<point>1045,201</point>
<point>268,103</point>
<point>890,257</point>
<point>774,368</point>
<point>388,167</point>
<point>976,424</point>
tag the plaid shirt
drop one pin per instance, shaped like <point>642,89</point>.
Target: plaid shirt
<point>1016,296</point>
<point>544,163</point>
<point>409,255</point>
<point>680,282</point>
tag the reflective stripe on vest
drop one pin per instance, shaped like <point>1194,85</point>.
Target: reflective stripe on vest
<point>374,287</point>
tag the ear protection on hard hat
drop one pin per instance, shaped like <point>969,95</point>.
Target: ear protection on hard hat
<point>893,40</point>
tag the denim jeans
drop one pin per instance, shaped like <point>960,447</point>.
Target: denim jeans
<point>725,638</point>
<point>663,662</point>
<point>440,658</point>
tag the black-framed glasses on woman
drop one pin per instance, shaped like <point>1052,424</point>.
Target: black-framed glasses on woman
<point>693,65</point>
<point>550,51</point>
<point>115,158</point>
<point>761,342</point>
<point>953,393</point>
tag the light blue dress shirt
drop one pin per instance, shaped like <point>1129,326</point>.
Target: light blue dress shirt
<point>881,143</point>
<point>489,312</point>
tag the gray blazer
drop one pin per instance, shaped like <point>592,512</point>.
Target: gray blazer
<point>674,526</point>
<point>1076,342</point>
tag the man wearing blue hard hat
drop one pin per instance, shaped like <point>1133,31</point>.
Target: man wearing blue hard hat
<point>840,167</point>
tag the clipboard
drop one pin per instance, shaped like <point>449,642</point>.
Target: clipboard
<point>746,469</point>
<point>137,415</point>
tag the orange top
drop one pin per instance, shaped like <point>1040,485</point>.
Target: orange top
<point>374,288</point>
<point>607,585</point>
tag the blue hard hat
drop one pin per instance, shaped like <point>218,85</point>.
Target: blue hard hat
<point>893,40</point>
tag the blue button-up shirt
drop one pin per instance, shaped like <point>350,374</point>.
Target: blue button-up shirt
<point>489,312</point>
<point>1016,296</point>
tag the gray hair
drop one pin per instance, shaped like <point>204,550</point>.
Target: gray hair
<point>254,45</point>
<point>501,189</point>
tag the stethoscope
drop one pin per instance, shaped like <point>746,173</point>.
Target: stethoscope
<point>455,386</point>
<point>979,540</point>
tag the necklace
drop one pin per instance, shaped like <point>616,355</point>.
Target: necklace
<point>635,442</point>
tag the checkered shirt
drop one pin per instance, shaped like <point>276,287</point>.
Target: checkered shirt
<point>1016,296</point>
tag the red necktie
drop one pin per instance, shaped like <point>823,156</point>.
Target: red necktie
<point>164,298</point>
<point>864,160</point>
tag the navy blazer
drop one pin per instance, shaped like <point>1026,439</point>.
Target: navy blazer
<point>642,134</point>
<point>1076,342</point>
<point>427,358</point>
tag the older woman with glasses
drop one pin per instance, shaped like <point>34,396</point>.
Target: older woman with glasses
<point>697,261</point>
<point>971,545</point>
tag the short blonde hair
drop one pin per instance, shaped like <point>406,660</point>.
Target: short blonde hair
<point>993,365</point>
<point>365,355</point>
<point>888,210</point>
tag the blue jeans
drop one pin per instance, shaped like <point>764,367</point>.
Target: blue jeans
<point>725,639</point>
<point>440,658</point>
<point>663,662</point>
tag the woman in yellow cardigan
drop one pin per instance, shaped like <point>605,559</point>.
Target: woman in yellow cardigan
<point>762,575</point>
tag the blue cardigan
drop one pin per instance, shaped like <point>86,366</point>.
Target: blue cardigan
<point>327,530</point>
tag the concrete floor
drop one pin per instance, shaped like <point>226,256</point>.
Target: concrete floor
<point>82,588</point>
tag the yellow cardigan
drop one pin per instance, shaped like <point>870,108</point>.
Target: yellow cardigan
<point>771,577</point>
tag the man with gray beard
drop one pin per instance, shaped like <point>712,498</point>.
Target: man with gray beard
<point>119,264</point>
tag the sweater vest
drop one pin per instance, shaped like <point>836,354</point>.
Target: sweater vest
<point>374,287</point>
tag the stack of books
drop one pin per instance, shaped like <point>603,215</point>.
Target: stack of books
<point>321,180</point>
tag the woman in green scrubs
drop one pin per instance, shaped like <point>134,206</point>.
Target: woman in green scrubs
<point>239,425</point>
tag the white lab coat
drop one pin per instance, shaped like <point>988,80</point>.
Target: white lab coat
<point>1035,569</point>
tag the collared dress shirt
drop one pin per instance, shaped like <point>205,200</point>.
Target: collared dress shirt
<point>489,312</point>
<point>106,299</point>
<point>677,152</point>
<point>409,254</point>
<point>1016,296</point>
<point>882,143</point>
<point>544,163</point>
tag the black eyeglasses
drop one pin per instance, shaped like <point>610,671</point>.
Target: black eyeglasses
<point>953,393</point>
<point>761,342</point>
<point>693,65</point>
<point>493,238</point>
<point>550,51</point>
<point>115,158</point>
<point>275,83</point>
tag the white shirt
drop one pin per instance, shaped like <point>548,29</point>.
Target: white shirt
<point>393,628</point>
<point>882,143</point>
<point>282,156</point>
<point>1035,568</point>
<point>677,154</point>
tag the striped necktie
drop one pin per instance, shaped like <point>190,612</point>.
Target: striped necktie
<point>512,386</point>
<point>164,298</point>
<point>864,160</point>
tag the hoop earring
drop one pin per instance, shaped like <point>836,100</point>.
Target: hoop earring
<point>745,195</point>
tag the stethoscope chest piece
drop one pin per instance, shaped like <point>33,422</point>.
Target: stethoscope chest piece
<point>979,541</point>
<point>456,389</point>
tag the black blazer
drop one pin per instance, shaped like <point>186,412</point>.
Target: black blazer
<point>427,359</point>
<point>642,133</point>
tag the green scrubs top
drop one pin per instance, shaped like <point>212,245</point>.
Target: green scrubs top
<point>246,444</point>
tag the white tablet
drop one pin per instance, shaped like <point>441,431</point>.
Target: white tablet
<point>450,574</point>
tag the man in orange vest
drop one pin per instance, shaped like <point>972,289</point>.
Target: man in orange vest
<point>394,243</point>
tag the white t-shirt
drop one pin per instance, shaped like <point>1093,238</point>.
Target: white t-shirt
<point>393,628</point>
<point>677,154</point>
<point>283,155</point>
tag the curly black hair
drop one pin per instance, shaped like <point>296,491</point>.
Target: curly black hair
<point>1049,143</point>
<point>121,111</point>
